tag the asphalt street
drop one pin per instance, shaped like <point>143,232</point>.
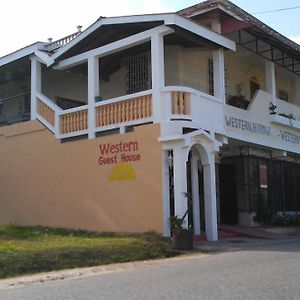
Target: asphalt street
<point>265,271</point>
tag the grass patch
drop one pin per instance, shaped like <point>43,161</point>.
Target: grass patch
<point>27,250</point>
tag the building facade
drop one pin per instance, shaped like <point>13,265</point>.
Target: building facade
<point>139,118</point>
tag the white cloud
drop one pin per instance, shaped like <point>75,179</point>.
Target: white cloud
<point>295,38</point>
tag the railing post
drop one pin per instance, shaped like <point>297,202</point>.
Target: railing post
<point>93,91</point>
<point>57,124</point>
<point>158,73</point>
<point>36,84</point>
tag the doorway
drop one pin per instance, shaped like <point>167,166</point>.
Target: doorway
<point>228,195</point>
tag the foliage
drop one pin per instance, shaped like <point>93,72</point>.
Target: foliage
<point>25,250</point>
<point>177,224</point>
<point>285,219</point>
<point>265,213</point>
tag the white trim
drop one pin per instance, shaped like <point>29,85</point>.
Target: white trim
<point>168,19</point>
<point>202,11</point>
<point>72,110</point>
<point>204,32</point>
<point>285,121</point>
<point>123,124</point>
<point>195,193</point>
<point>42,57</point>
<point>72,134</point>
<point>113,47</point>
<point>93,91</point>
<point>123,98</point>
<point>181,117</point>
<point>45,123</point>
<point>20,53</point>
<point>158,74</point>
<point>166,194</point>
<point>48,101</point>
<point>109,21</point>
<point>36,85</point>
<point>178,88</point>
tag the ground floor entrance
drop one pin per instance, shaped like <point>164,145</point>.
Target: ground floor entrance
<point>254,184</point>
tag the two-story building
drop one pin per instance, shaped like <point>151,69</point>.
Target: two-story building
<point>138,118</point>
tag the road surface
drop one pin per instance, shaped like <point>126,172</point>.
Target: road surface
<point>267,271</point>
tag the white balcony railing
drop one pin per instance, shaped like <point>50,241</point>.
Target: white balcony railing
<point>110,114</point>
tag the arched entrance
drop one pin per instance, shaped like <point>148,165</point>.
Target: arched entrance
<point>195,147</point>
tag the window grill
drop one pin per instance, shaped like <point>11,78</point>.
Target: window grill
<point>137,76</point>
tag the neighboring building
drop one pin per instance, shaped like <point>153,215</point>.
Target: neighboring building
<point>116,126</point>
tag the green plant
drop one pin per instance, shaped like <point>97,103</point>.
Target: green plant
<point>265,213</point>
<point>285,219</point>
<point>177,224</point>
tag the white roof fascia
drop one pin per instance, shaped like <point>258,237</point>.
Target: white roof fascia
<point>204,32</point>
<point>108,21</point>
<point>20,53</point>
<point>122,44</point>
<point>168,19</point>
<point>202,11</point>
<point>43,57</point>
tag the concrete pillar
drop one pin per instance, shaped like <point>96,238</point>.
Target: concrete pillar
<point>195,193</point>
<point>93,91</point>
<point>219,74</point>
<point>166,194</point>
<point>180,183</point>
<point>158,73</point>
<point>210,199</point>
<point>271,80</point>
<point>36,84</point>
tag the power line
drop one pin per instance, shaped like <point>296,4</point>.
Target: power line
<point>275,10</point>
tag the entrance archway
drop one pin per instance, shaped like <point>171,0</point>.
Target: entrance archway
<point>203,146</point>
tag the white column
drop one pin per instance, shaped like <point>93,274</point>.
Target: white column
<point>158,73</point>
<point>180,183</point>
<point>166,193</point>
<point>36,84</point>
<point>271,80</point>
<point>195,193</point>
<point>219,74</point>
<point>211,227</point>
<point>93,91</point>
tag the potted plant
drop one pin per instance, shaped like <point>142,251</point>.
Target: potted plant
<point>182,237</point>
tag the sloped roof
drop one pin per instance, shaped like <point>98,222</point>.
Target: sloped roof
<point>259,27</point>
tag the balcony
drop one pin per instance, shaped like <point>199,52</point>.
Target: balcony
<point>111,114</point>
<point>177,103</point>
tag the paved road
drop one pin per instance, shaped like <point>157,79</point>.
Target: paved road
<point>268,271</point>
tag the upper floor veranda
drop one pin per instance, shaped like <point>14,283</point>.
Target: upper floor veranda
<point>123,72</point>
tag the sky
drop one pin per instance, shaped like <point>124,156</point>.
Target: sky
<point>25,22</point>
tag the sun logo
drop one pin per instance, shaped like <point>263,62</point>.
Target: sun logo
<point>122,171</point>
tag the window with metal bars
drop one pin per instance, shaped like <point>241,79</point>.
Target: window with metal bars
<point>137,76</point>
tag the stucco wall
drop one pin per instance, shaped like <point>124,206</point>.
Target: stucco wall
<point>67,84</point>
<point>240,67</point>
<point>187,67</point>
<point>45,182</point>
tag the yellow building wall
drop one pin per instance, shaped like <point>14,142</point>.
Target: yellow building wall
<point>49,183</point>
